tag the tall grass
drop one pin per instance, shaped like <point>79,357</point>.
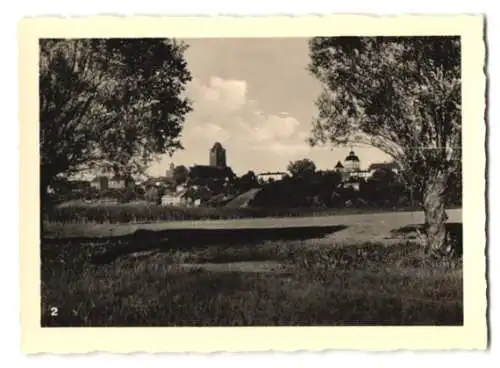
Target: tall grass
<point>368,284</point>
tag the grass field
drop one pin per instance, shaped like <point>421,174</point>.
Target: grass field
<point>140,212</point>
<point>355,227</point>
<point>275,275</point>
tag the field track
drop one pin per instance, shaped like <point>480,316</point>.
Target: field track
<point>359,227</point>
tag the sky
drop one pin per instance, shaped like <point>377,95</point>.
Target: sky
<point>255,97</point>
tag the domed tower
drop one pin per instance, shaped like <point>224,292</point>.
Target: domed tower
<point>218,155</point>
<point>352,162</point>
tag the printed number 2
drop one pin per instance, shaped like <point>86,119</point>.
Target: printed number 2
<point>54,311</point>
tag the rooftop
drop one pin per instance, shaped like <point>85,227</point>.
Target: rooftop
<point>210,171</point>
<point>383,165</point>
<point>217,146</point>
<point>271,173</point>
<point>352,157</point>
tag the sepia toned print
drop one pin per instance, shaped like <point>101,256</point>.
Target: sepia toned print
<point>260,181</point>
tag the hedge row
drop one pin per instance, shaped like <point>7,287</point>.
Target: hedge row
<point>141,213</point>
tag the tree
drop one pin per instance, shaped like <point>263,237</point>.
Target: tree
<point>301,168</point>
<point>111,104</point>
<point>247,181</point>
<point>401,95</point>
<point>455,185</point>
<point>154,194</point>
<point>384,186</point>
<point>180,174</point>
<point>329,181</point>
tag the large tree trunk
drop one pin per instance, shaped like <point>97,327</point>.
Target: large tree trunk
<point>434,202</point>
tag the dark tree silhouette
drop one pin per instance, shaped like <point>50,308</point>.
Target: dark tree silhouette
<point>247,181</point>
<point>302,168</point>
<point>180,174</point>
<point>112,104</point>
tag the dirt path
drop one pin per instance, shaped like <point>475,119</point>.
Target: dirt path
<point>244,199</point>
<point>359,227</point>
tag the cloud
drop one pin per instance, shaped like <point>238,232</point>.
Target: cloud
<point>291,150</point>
<point>211,132</point>
<point>222,109</point>
<point>254,139</point>
<point>218,95</point>
<point>281,126</point>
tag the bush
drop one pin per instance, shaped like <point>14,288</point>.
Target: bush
<point>140,192</point>
<point>127,195</point>
<point>123,195</point>
<point>154,195</point>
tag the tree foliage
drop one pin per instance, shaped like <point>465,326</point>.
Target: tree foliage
<point>401,95</point>
<point>180,174</point>
<point>247,181</point>
<point>384,186</point>
<point>301,168</point>
<point>112,104</point>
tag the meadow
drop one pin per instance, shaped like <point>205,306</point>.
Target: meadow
<point>144,212</point>
<point>252,276</point>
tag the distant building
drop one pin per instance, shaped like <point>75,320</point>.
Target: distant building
<point>360,174</point>
<point>351,162</point>
<point>164,182</point>
<point>99,183</point>
<point>271,176</point>
<point>199,174</point>
<point>78,185</point>
<point>391,166</point>
<point>217,156</point>
<point>351,172</point>
<point>120,182</point>
<point>174,199</point>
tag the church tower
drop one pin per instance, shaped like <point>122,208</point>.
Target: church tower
<point>351,162</point>
<point>217,155</point>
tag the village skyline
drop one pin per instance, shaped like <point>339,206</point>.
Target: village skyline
<point>337,155</point>
<point>255,97</point>
<point>238,98</point>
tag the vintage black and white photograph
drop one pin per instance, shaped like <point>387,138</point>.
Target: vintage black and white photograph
<point>255,181</point>
<point>251,181</point>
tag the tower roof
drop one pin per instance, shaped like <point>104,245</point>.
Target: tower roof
<point>352,157</point>
<point>217,146</point>
<point>339,165</point>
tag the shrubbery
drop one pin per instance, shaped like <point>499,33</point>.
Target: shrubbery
<point>154,195</point>
<point>120,195</point>
<point>383,190</point>
<point>123,213</point>
<point>143,212</point>
<point>320,194</point>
